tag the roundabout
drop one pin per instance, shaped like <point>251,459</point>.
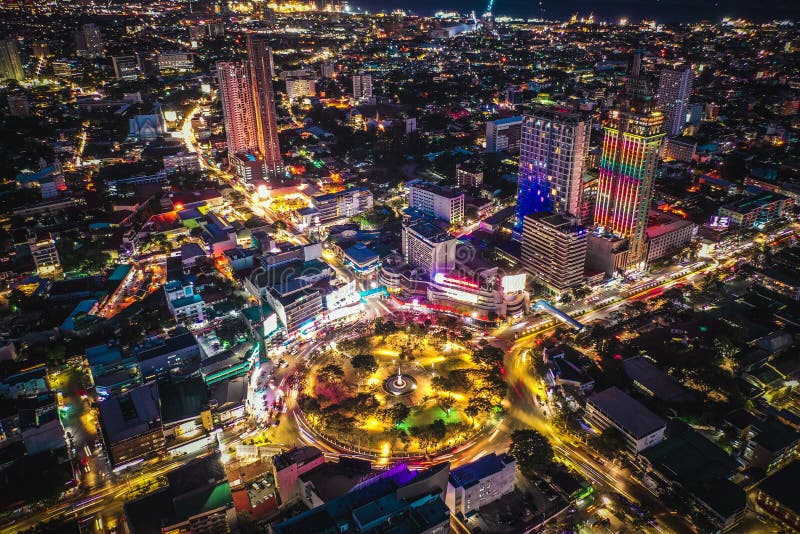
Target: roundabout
<point>399,392</point>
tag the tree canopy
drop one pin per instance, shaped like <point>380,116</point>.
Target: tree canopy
<point>531,450</point>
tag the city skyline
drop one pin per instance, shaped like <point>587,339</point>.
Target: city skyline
<point>290,268</point>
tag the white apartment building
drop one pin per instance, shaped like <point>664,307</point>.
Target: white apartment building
<point>175,61</point>
<point>362,86</point>
<point>479,483</point>
<point>298,88</point>
<point>442,203</point>
<point>428,247</point>
<point>674,89</point>
<point>554,251</point>
<point>335,207</point>
<point>504,134</point>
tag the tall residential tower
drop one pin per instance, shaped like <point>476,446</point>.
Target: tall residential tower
<point>674,88</point>
<point>237,106</point>
<point>259,59</point>
<point>552,154</point>
<point>10,63</point>
<point>248,105</point>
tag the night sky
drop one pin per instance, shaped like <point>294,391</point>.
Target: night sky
<point>661,10</point>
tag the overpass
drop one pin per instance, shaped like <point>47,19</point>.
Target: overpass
<point>558,314</point>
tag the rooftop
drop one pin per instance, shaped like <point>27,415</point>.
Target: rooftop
<point>470,474</point>
<point>429,231</point>
<point>782,486</point>
<point>298,455</point>
<point>688,457</point>
<point>749,204</point>
<point>130,414</point>
<point>627,412</point>
<point>654,381</point>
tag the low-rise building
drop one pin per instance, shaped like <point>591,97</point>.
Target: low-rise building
<point>777,496</point>
<point>289,465</point>
<point>770,444</point>
<point>131,424</point>
<point>175,62</point>
<point>614,408</point>
<point>479,483</point>
<point>757,211</point>
<point>187,162</point>
<point>667,235</point>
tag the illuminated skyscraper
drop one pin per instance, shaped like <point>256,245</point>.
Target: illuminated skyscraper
<point>551,162</point>
<point>259,59</point>
<point>631,146</point>
<point>89,42</point>
<point>237,106</point>
<point>674,88</point>
<point>10,63</point>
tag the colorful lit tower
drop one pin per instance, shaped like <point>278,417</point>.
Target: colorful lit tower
<point>631,145</point>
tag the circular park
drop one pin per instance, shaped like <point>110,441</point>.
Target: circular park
<point>402,391</point>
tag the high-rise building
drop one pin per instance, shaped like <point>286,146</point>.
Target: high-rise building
<point>259,59</point>
<point>327,69</point>
<point>45,254</point>
<point>554,250</point>
<point>237,106</point>
<point>127,67</point>
<point>10,63</point>
<point>362,86</point>
<point>631,146</point>
<point>553,150</point>
<point>674,88</point>
<point>89,42</point>
<point>428,247</point>
<point>504,134</point>
<point>19,106</point>
<point>40,49</point>
<point>443,203</point>
<point>300,87</point>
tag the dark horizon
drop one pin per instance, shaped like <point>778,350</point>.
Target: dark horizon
<point>667,11</point>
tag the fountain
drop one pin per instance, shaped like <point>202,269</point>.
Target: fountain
<point>399,384</point>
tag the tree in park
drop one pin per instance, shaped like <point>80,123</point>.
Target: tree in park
<point>331,374</point>
<point>399,412</point>
<point>531,450</point>
<point>364,363</point>
<point>429,435</point>
<point>489,355</point>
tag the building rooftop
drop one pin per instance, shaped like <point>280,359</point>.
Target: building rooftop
<point>688,457</point>
<point>131,413</point>
<point>747,205</point>
<point>654,381</point>
<point>360,254</point>
<point>435,189</point>
<point>334,479</point>
<point>470,474</point>
<point>298,455</point>
<point>627,412</point>
<point>182,400</point>
<point>782,486</point>
<point>429,231</point>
